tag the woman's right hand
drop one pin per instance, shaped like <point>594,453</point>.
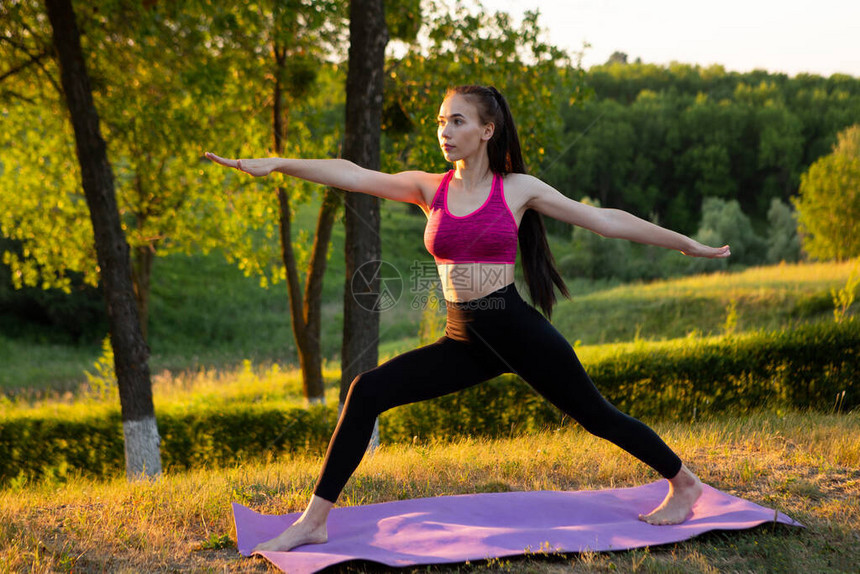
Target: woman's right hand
<point>256,167</point>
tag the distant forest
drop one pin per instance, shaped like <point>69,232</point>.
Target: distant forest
<point>658,140</point>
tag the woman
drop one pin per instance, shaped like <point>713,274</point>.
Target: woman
<point>476,214</point>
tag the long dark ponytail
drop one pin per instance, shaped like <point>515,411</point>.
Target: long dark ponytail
<point>539,268</point>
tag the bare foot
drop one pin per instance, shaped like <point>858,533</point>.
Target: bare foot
<point>685,488</point>
<point>301,532</point>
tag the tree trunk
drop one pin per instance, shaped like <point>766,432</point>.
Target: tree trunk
<point>368,36</point>
<point>141,273</point>
<point>314,281</point>
<point>131,353</point>
<point>305,310</point>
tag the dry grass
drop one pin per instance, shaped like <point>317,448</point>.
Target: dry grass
<point>806,465</point>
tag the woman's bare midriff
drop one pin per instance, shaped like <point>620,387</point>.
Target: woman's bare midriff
<point>467,281</point>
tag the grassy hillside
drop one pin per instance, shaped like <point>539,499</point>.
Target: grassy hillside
<point>205,313</point>
<point>769,298</point>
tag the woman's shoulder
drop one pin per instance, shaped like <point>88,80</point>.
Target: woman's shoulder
<point>423,176</point>
<point>520,178</point>
<point>521,182</point>
<point>523,190</point>
<point>427,183</point>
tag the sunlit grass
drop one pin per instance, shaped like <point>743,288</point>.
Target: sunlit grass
<point>762,298</point>
<point>246,383</point>
<point>660,316</point>
<point>806,465</point>
<point>281,385</point>
<point>793,276</point>
<point>206,316</point>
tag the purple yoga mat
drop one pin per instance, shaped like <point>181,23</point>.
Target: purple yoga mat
<point>448,529</point>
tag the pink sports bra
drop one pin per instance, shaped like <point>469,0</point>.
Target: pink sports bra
<point>487,235</point>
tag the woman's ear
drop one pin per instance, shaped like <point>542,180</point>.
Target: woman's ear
<point>489,130</point>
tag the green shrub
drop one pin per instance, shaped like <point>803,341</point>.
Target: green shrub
<point>34,446</point>
<point>218,436</point>
<point>801,368</point>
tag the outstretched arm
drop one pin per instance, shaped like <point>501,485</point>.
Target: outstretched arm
<point>406,186</point>
<point>613,222</point>
<point>623,225</point>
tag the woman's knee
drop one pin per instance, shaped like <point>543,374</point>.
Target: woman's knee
<point>365,391</point>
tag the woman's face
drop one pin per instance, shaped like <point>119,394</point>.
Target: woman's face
<point>461,132</point>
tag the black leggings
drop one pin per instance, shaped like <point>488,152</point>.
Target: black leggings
<point>498,333</point>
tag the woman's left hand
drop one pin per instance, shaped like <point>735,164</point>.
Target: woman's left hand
<point>256,167</point>
<point>708,252</point>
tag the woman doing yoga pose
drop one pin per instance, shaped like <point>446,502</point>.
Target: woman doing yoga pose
<point>476,214</point>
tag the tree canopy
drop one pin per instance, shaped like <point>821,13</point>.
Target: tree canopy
<point>828,205</point>
<point>659,140</point>
<point>173,79</point>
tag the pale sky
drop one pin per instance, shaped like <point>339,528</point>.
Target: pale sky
<point>789,36</point>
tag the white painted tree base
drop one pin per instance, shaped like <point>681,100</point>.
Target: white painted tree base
<point>142,452</point>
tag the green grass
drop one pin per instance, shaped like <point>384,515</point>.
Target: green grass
<point>206,314</point>
<point>764,298</point>
<point>31,366</point>
<point>806,465</point>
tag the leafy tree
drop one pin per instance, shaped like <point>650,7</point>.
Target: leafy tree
<point>828,204</point>
<point>299,40</point>
<point>848,142</point>
<point>649,187</point>
<point>151,97</point>
<point>783,243</point>
<point>723,221</point>
<point>703,132</point>
<point>192,77</point>
<point>131,353</point>
<point>153,94</point>
<point>43,210</point>
<point>174,87</point>
<point>780,152</point>
<point>824,107</point>
<point>288,88</point>
<point>292,91</point>
<point>709,134</point>
<point>617,58</point>
<point>284,70</point>
<point>463,47</point>
<point>605,156</point>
